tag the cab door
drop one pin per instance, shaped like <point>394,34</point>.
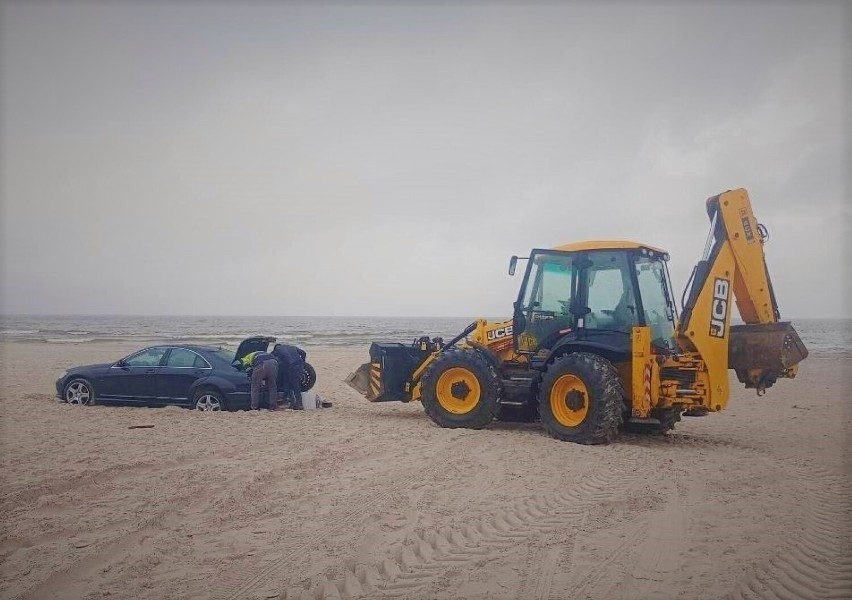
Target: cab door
<point>543,311</point>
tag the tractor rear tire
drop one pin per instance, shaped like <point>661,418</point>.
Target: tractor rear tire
<point>666,416</point>
<point>581,399</point>
<point>460,389</point>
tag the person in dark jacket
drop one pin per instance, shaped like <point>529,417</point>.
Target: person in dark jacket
<point>292,363</point>
<point>264,368</point>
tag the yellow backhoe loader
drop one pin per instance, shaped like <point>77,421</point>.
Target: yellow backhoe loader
<point>596,344</point>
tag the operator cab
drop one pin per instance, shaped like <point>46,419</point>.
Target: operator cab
<point>597,292</point>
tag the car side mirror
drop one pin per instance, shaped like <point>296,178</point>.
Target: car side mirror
<point>120,363</point>
<point>513,263</point>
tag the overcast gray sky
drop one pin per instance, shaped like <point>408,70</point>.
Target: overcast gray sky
<point>355,159</point>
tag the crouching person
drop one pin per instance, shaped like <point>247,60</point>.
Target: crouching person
<point>264,370</point>
<point>291,361</point>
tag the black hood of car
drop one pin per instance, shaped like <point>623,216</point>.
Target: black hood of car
<point>258,343</point>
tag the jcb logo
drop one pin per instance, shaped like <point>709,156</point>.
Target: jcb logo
<point>719,308</point>
<point>749,232</point>
<point>496,334</point>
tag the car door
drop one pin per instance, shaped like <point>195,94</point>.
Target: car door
<point>182,368</point>
<point>133,378</point>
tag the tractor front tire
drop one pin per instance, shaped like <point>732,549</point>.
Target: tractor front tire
<point>460,389</point>
<point>581,399</point>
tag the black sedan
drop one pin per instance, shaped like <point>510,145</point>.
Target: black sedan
<point>199,377</point>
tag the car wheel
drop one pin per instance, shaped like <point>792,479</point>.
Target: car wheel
<point>79,392</point>
<point>308,378</point>
<point>208,400</point>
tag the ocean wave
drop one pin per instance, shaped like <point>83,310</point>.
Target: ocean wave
<point>340,333</point>
<point>197,336</point>
<point>820,336</point>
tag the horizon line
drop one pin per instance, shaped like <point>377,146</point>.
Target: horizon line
<point>183,315</point>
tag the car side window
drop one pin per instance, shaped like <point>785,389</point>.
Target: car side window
<point>181,357</point>
<point>150,357</point>
<point>200,363</point>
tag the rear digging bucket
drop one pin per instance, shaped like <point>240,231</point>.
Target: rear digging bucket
<point>761,353</point>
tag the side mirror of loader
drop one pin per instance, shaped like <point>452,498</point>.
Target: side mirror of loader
<point>513,262</point>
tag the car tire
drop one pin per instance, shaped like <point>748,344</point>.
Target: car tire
<point>78,391</point>
<point>308,378</point>
<point>208,399</point>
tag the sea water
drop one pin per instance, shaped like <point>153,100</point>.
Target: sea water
<point>820,335</point>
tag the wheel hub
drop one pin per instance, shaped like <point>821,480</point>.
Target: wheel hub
<point>575,400</point>
<point>460,390</point>
<point>77,394</point>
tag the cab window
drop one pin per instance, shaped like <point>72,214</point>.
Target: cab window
<point>611,300</point>
<point>650,273</point>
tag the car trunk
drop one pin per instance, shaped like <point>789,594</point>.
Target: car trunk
<point>258,343</point>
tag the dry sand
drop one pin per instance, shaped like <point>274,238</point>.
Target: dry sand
<point>373,500</point>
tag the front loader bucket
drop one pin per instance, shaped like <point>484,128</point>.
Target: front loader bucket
<point>761,353</point>
<point>360,381</point>
<point>388,375</point>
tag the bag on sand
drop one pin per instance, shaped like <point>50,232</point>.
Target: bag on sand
<point>312,400</point>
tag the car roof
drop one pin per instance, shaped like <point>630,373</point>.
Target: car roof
<point>198,348</point>
<point>193,347</point>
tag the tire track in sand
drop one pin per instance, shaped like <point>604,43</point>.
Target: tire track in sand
<point>817,562</point>
<point>232,587</point>
<point>427,557</point>
<point>110,475</point>
<point>543,566</point>
<point>659,554</point>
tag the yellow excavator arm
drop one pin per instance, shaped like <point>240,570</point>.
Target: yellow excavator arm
<point>763,348</point>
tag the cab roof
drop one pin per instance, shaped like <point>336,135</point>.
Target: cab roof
<point>605,245</point>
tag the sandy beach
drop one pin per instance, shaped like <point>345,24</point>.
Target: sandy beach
<point>373,500</point>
